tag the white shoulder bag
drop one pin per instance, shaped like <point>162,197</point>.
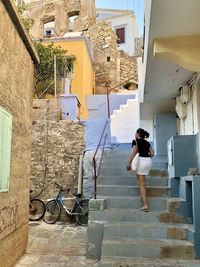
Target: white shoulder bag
<point>135,161</point>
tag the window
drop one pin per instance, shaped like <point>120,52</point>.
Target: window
<point>120,32</point>
<point>108,59</point>
<point>72,16</point>
<point>5,149</point>
<point>49,28</point>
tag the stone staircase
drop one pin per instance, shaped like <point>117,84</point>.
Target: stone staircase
<point>126,118</point>
<point>120,234</point>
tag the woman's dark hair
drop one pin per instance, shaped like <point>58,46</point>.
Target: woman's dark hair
<point>143,134</point>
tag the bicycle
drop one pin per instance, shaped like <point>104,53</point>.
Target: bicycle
<point>79,209</point>
<point>37,208</point>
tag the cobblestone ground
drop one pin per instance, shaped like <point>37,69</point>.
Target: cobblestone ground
<point>64,245</point>
<point>57,245</point>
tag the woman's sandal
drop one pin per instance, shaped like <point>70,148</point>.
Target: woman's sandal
<point>143,209</point>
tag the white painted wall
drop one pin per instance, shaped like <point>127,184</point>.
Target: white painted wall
<point>142,63</point>
<point>147,125</point>
<point>125,122</point>
<point>189,125</point>
<point>131,32</point>
<point>122,20</point>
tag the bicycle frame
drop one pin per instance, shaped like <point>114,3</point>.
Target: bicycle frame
<point>76,203</point>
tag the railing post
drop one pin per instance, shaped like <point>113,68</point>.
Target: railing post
<point>108,98</point>
<point>94,160</point>
<point>95,178</point>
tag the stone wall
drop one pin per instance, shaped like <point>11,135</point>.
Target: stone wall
<point>128,67</point>
<point>103,43</point>
<point>58,146</point>
<point>110,63</point>
<point>139,47</point>
<point>16,85</point>
<point>46,109</point>
<point>60,12</point>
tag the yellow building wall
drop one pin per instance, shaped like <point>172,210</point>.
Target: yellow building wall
<point>84,77</point>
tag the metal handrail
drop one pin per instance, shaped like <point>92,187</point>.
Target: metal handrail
<point>97,172</point>
<point>108,90</point>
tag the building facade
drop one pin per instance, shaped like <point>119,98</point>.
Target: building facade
<point>82,80</point>
<point>58,17</point>
<point>169,94</point>
<point>125,26</point>
<point>16,89</point>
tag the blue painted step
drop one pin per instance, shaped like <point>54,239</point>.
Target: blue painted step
<point>119,190</point>
<point>132,215</point>
<point>149,248</point>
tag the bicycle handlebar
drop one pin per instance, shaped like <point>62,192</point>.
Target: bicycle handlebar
<point>58,185</point>
<point>61,188</point>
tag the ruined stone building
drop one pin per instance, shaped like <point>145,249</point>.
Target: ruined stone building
<point>54,18</point>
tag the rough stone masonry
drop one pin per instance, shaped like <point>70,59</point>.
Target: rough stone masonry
<point>16,87</point>
<point>57,146</point>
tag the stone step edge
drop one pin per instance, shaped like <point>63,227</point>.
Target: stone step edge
<point>147,241</point>
<point>148,177</point>
<point>132,186</point>
<point>148,262</point>
<point>104,197</point>
<point>159,224</point>
<point>133,211</point>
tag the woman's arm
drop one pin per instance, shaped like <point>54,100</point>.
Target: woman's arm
<point>151,152</point>
<point>131,157</point>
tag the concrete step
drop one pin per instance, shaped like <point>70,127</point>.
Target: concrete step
<point>115,154</point>
<point>116,171</point>
<point>146,262</point>
<point>127,180</point>
<point>122,163</point>
<point>147,248</point>
<point>147,230</point>
<point>132,215</point>
<point>155,204</point>
<point>121,190</point>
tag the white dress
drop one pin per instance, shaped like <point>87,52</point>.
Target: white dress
<point>144,166</point>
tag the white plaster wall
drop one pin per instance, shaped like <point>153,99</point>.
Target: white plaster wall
<point>141,80</point>
<point>147,125</point>
<point>189,125</point>
<point>142,63</point>
<point>131,32</point>
<point>125,122</point>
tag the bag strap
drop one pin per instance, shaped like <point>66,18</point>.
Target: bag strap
<point>136,145</point>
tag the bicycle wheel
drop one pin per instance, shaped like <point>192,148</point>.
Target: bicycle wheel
<point>36,209</point>
<point>52,212</point>
<point>82,210</point>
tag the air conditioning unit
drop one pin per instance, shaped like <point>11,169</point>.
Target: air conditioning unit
<point>181,109</point>
<point>185,94</point>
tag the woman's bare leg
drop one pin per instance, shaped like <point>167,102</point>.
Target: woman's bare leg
<point>141,180</point>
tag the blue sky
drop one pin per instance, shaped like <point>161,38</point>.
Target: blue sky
<point>136,5</point>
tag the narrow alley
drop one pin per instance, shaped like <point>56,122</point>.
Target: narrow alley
<point>58,245</point>
<point>87,88</point>
<point>64,245</point>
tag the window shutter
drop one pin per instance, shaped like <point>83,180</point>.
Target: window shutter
<point>5,149</point>
<point>120,32</point>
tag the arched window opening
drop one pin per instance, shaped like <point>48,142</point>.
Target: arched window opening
<point>49,29</point>
<point>72,16</point>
